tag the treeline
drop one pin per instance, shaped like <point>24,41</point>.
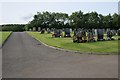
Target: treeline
<point>75,20</point>
<point>13,27</point>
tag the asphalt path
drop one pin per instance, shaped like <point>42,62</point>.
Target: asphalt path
<point>25,57</point>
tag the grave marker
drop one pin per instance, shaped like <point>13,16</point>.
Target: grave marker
<point>100,35</point>
<point>57,33</point>
<point>67,32</point>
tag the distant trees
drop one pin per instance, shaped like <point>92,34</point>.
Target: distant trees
<point>13,27</point>
<point>75,20</point>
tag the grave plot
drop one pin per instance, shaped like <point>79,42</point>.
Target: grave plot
<point>48,30</point>
<point>42,31</point>
<point>100,35</point>
<point>57,33</point>
<point>82,35</point>
<point>67,32</point>
<point>110,34</point>
<point>91,35</point>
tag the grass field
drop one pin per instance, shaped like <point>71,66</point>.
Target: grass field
<point>3,36</point>
<point>67,43</point>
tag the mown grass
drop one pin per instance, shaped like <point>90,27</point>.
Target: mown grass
<point>67,43</point>
<point>3,36</point>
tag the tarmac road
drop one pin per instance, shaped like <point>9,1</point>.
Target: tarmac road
<point>25,57</point>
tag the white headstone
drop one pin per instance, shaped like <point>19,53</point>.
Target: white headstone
<point>39,28</point>
<point>34,29</point>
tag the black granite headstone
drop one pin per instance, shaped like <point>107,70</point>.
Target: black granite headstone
<point>67,32</point>
<point>100,35</point>
<point>119,32</point>
<point>42,31</point>
<point>57,33</point>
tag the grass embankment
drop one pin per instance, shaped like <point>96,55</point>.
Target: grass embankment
<point>67,43</point>
<point>3,36</point>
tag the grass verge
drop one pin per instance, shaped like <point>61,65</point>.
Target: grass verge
<point>66,43</point>
<point>3,36</point>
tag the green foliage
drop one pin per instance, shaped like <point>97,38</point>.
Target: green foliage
<point>13,27</point>
<point>75,20</point>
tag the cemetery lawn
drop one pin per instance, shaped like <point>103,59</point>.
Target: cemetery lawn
<point>67,43</point>
<point>3,36</point>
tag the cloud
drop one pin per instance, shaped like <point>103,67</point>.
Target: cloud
<point>28,17</point>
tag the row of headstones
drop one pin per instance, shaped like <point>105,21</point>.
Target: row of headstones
<point>81,35</point>
<point>40,30</point>
<point>57,32</point>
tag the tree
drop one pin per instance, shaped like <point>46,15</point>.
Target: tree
<point>75,20</point>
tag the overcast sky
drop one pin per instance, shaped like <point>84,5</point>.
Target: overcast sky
<point>22,12</point>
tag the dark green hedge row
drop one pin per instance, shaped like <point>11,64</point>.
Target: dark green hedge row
<point>13,27</point>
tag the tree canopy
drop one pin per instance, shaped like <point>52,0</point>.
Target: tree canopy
<point>77,19</point>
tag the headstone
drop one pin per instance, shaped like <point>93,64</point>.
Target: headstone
<point>67,32</point>
<point>42,31</point>
<point>100,35</point>
<point>52,29</point>
<point>118,34</point>
<point>70,30</point>
<point>91,36</point>
<point>30,29</point>
<point>57,33</point>
<point>77,36</point>
<point>34,28</point>
<point>39,29</point>
<point>84,36</point>
<point>48,30</point>
<point>109,34</point>
<point>95,32</point>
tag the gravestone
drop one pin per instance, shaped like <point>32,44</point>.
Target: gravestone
<point>70,30</point>
<point>34,28</point>
<point>30,29</point>
<point>57,33</point>
<point>67,32</point>
<point>39,29</point>
<point>95,32</point>
<point>75,32</point>
<point>109,34</point>
<point>77,36</point>
<point>91,35</point>
<point>42,31</point>
<point>113,32</point>
<point>118,34</point>
<point>84,36</point>
<point>100,35</point>
<point>48,31</point>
